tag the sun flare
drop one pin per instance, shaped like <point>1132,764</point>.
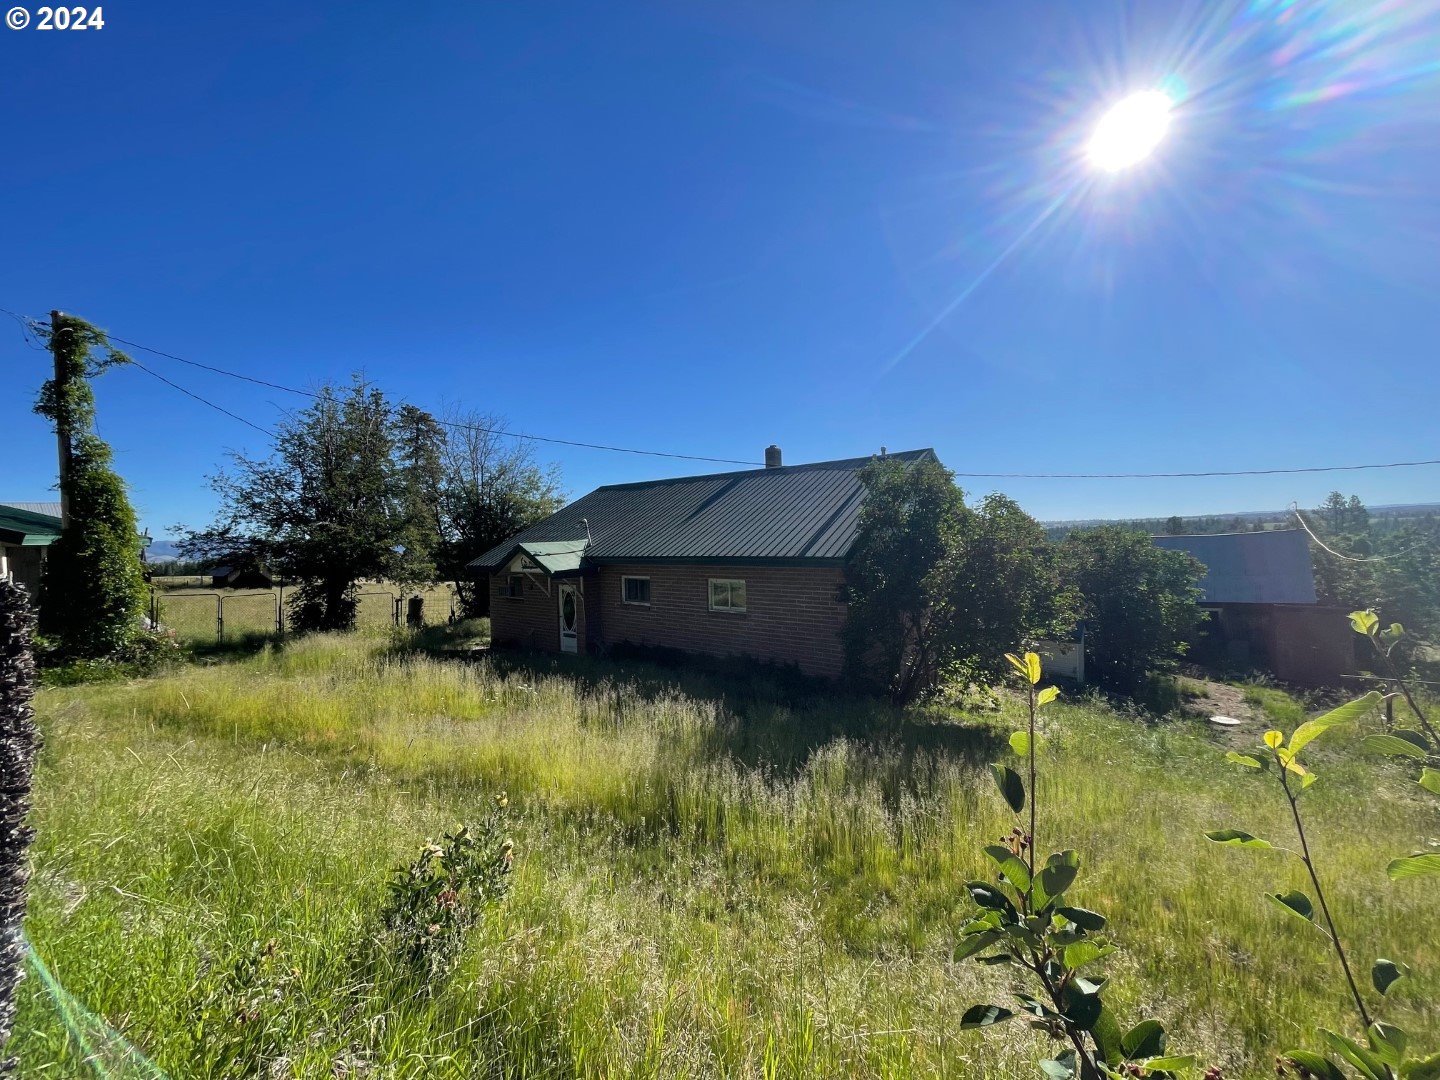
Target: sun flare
<point>1130,131</point>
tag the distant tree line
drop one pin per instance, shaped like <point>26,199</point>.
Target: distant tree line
<point>940,590</point>
<point>358,488</point>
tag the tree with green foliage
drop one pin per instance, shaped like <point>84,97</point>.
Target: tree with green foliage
<point>492,487</point>
<point>895,575</point>
<point>332,506</point>
<point>419,459</point>
<point>939,589</point>
<point>1138,602</point>
<point>92,596</point>
<point>1362,563</point>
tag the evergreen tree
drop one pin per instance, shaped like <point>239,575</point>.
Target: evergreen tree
<point>329,507</point>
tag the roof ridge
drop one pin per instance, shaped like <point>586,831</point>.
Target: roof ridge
<point>774,469</point>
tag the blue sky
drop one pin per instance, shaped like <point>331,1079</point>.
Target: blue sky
<point>704,227</point>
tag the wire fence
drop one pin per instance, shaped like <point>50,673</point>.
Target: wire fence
<point>213,615</point>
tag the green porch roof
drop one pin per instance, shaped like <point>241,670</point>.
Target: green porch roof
<point>26,528</point>
<point>555,557</point>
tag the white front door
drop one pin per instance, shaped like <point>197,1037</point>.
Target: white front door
<point>569,637</point>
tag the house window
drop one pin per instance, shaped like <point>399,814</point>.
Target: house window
<point>636,590</point>
<point>515,586</point>
<point>727,595</point>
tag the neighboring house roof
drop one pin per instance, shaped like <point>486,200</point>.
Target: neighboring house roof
<point>221,571</point>
<point>791,514</point>
<point>48,509</point>
<point>29,528</point>
<point>1251,568</point>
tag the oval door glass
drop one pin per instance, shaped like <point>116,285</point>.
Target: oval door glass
<point>567,610</point>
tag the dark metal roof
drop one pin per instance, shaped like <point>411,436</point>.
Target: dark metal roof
<point>795,513</point>
<point>1251,568</point>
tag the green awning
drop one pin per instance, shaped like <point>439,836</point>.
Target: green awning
<point>556,557</point>
<point>27,529</point>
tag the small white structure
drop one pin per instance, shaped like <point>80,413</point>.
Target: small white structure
<point>1064,659</point>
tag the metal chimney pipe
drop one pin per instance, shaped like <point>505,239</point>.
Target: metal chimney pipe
<point>772,457</point>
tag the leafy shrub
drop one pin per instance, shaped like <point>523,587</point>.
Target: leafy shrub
<point>1050,941</point>
<point>1138,602</point>
<point>441,895</point>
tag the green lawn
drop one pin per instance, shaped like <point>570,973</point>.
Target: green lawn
<point>712,878</point>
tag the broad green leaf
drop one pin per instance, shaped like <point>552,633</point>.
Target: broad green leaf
<point>1057,876</point>
<point>1010,785</point>
<point>1083,918</point>
<point>1296,903</point>
<point>1274,738</point>
<point>1393,746</point>
<point>1316,1064</point>
<point>1109,1040</point>
<point>1049,694</point>
<point>969,946</point>
<point>1365,1062</point>
<point>1145,1039</point>
<point>1364,621</point>
<point>1430,779</point>
<point>1169,1064</point>
<point>1243,759</point>
<point>1387,1041</point>
<point>1392,633</point>
<point>1061,1067</point>
<point>989,896</point>
<point>1237,838</point>
<point>1018,664</point>
<point>1082,1009</point>
<point>1345,714</point>
<point>1085,952</point>
<point>1384,973</point>
<point>1417,865</point>
<point>1020,742</point>
<point>1011,865</point>
<point>1032,667</point>
<point>978,1016</point>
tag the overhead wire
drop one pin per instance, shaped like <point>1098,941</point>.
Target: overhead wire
<point>215,369</point>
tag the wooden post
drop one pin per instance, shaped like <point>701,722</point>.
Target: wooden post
<point>63,420</point>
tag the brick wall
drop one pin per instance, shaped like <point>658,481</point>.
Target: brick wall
<point>792,615</point>
<point>533,619</point>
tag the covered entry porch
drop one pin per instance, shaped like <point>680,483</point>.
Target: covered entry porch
<point>538,597</point>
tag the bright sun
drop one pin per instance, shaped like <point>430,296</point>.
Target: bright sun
<point>1130,130</point>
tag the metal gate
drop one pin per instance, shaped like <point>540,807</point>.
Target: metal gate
<point>206,616</point>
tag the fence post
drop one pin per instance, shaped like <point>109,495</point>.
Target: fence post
<point>154,611</point>
<point>219,619</point>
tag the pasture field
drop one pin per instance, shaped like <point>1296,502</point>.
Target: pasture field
<point>713,877</point>
<point>187,606</point>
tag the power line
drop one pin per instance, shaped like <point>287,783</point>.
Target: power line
<point>202,400</point>
<point>738,461</point>
<point>444,423</point>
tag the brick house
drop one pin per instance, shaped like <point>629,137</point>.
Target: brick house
<point>730,564</point>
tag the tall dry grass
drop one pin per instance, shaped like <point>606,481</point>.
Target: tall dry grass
<point>713,878</point>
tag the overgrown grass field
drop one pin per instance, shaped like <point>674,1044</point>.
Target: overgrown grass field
<point>712,878</point>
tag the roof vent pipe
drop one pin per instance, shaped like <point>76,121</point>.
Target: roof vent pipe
<point>772,457</point>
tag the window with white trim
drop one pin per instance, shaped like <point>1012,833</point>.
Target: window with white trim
<point>727,594</point>
<point>635,590</point>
